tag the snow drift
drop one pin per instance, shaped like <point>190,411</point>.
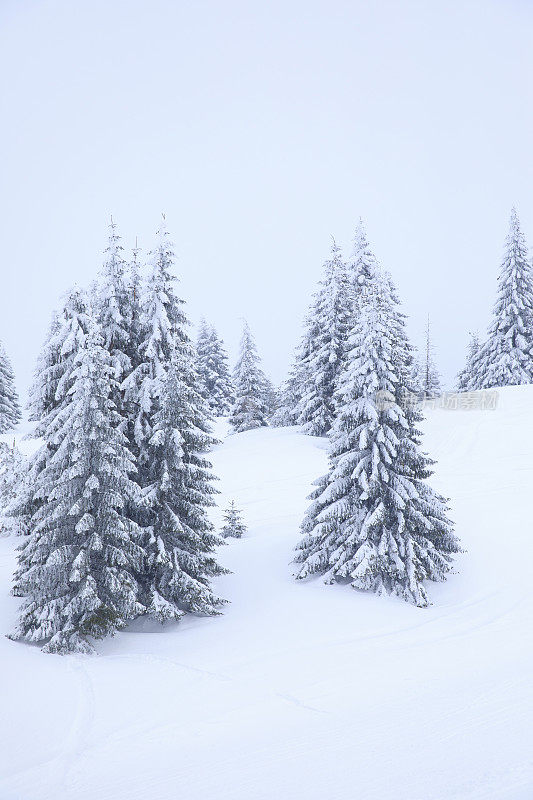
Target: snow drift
<point>305,690</point>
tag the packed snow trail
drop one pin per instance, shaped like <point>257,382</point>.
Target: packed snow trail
<point>302,690</point>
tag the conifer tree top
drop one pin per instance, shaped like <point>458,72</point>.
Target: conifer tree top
<point>505,358</point>
<point>362,261</point>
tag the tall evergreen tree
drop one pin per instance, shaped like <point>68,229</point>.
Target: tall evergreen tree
<point>79,563</point>
<point>171,435</point>
<point>328,328</point>
<point>425,374</point>
<point>249,410</point>
<point>9,402</point>
<point>506,358</point>
<point>178,491</point>
<point>213,372</point>
<point>466,374</point>
<point>374,521</point>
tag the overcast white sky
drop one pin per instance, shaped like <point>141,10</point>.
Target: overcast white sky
<point>261,129</point>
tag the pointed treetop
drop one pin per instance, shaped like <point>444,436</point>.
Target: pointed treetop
<point>360,241</point>
<point>246,333</point>
<point>362,261</point>
<point>162,231</point>
<point>334,265</point>
<point>334,246</point>
<point>113,248</point>
<point>164,243</point>
<point>135,256</point>
<point>113,236</point>
<point>515,238</point>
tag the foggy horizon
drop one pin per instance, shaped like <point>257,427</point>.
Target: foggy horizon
<point>261,133</point>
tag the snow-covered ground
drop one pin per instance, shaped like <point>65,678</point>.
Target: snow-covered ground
<point>303,690</point>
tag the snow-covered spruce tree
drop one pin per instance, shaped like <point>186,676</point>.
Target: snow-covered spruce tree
<point>171,435</point>
<point>249,410</point>
<point>328,331</point>
<point>425,374</point>
<point>49,396</point>
<point>213,371</point>
<point>178,490</point>
<point>374,521</point>
<point>465,375</point>
<point>9,401</point>
<point>83,554</point>
<point>506,358</point>
<point>233,526</point>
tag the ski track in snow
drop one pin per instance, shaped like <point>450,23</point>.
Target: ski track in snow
<point>302,690</point>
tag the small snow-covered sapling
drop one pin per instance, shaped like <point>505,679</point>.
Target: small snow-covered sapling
<point>233,524</point>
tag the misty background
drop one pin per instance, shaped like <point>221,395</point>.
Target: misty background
<point>261,130</point>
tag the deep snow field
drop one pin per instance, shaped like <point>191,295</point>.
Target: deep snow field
<point>302,690</point>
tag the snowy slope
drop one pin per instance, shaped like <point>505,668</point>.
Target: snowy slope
<point>303,690</point>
